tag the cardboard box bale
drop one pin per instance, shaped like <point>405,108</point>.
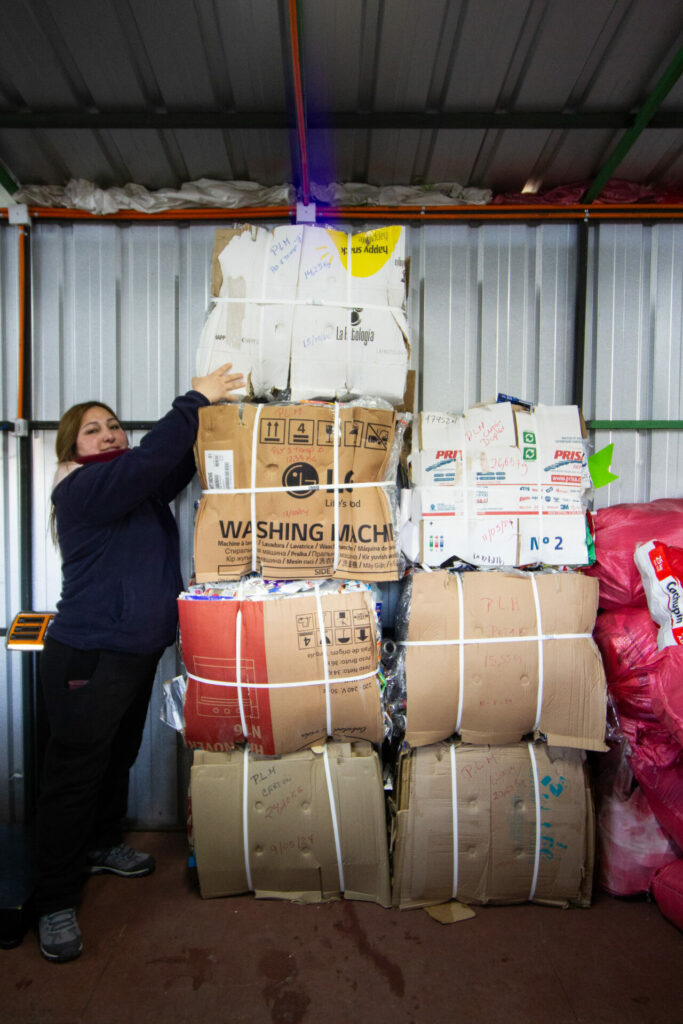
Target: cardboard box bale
<point>309,311</point>
<point>499,485</point>
<point>306,490</point>
<point>493,825</point>
<point>527,661</point>
<point>280,643</point>
<point>294,809</point>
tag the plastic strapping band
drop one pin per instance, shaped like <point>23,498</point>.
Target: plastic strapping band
<point>254,443</point>
<point>245,815</point>
<point>335,485</point>
<point>335,823</point>
<point>338,304</point>
<point>238,672</point>
<point>539,484</point>
<point>537,799</point>
<point>539,630</point>
<point>297,487</point>
<point>461,651</point>
<point>323,639</point>
<point>454,804</point>
<point>281,686</point>
<point>496,640</point>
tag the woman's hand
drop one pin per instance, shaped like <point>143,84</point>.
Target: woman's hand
<point>219,384</point>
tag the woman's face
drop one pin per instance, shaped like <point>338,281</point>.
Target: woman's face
<point>99,432</point>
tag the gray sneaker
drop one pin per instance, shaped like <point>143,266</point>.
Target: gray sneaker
<point>60,936</point>
<point>120,860</point>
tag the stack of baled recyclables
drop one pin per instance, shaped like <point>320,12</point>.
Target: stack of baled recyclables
<point>296,529</point>
<point>496,677</point>
<point>477,717</point>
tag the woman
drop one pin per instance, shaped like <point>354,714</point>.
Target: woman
<point>116,615</point>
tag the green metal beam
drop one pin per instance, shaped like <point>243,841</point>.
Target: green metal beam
<point>642,118</point>
<point>635,424</point>
<point>7,181</point>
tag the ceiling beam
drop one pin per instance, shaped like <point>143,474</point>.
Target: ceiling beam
<point>255,120</point>
<point>643,118</point>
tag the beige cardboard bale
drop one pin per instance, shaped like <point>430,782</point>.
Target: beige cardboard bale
<point>498,486</point>
<point>290,842</point>
<point>278,462</point>
<point>280,644</point>
<point>492,689</point>
<point>310,309</point>
<point>524,826</point>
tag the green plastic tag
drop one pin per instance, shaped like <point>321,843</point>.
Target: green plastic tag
<point>599,467</point>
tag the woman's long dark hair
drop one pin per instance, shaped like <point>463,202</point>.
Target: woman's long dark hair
<point>65,443</point>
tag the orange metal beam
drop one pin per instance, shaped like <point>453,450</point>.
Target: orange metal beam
<point>493,212</point>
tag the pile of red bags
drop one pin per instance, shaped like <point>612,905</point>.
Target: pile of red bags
<point>640,782</point>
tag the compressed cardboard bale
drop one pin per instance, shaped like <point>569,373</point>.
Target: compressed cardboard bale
<point>280,643</point>
<point>521,667</point>
<point>499,485</point>
<point>300,486</point>
<point>523,828</point>
<point>309,312</point>
<point>294,807</point>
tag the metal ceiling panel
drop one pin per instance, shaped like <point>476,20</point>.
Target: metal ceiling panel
<point>360,58</point>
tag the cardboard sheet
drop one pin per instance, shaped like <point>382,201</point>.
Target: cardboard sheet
<point>310,311</point>
<point>289,849</point>
<point>498,486</point>
<point>297,495</point>
<point>521,667</point>
<point>280,644</point>
<point>523,829</point>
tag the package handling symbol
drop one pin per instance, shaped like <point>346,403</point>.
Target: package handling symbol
<point>377,436</point>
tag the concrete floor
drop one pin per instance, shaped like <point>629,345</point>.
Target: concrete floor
<point>155,951</point>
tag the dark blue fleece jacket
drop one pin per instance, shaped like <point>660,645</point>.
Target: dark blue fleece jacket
<point>119,541</point>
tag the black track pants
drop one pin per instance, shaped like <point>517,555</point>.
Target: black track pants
<point>96,704</point>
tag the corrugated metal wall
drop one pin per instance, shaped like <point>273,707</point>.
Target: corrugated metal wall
<point>117,313</point>
<point>498,313</point>
<point>11,697</point>
<point>634,357</point>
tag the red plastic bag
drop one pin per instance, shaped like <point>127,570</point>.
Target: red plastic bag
<point>618,530</point>
<point>667,889</point>
<point>656,760</point>
<point>645,683</point>
<point>632,844</point>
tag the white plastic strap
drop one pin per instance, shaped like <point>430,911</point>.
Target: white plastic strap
<point>539,630</point>
<point>296,487</point>
<point>537,800</point>
<point>254,449</point>
<point>335,822</point>
<point>335,486</point>
<point>238,672</point>
<point>282,686</point>
<point>245,815</point>
<point>461,652</point>
<point>323,639</point>
<point>454,806</point>
<point>309,301</point>
<point>495,640</point>
<point>466,488</point>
